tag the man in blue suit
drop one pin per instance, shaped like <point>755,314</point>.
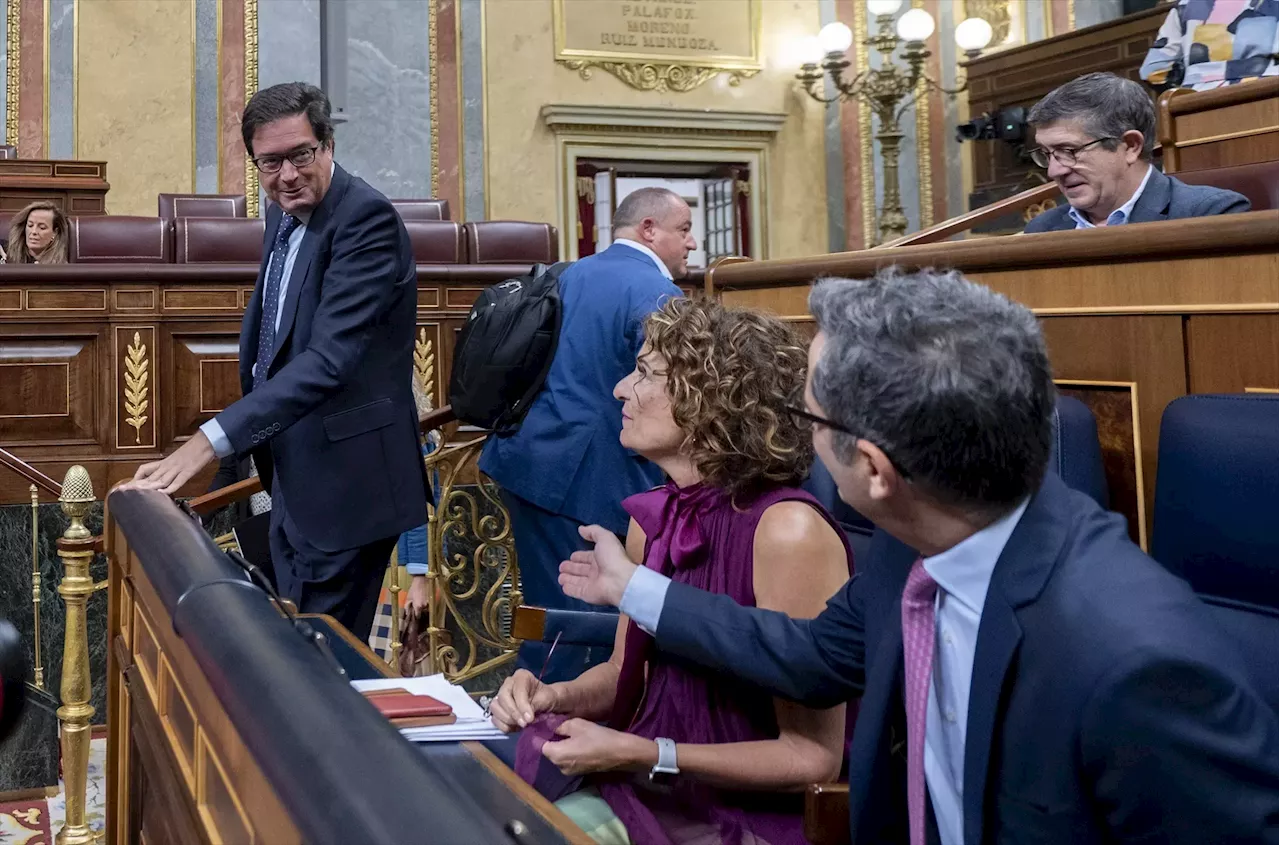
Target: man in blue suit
<point>1026,673</point>
<point>1094,136</point>
<point>326,363</point>
<point>565,467</point>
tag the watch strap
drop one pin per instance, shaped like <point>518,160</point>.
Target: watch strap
<point>666,756</point>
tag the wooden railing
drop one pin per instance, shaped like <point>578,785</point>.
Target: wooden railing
<point>30,473</point>
<point>965,222</point>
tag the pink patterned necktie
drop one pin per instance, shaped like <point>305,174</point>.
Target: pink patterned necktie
<point>917,655</point>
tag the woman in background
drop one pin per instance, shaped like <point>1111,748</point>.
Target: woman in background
<point>708,402</point>
<point>38,235</point>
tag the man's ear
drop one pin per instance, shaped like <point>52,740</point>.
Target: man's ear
<point>883,479</point>
<point>1132,141</point>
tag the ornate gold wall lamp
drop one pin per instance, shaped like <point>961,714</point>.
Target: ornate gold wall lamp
<point>890,88</point>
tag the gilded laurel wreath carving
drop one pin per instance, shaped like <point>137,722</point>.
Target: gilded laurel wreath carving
<point>649,76</point>
<point>424,365</point>
<point>136,373</point>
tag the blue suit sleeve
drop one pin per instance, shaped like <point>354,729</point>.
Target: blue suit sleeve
<point>1223,202</point>
<point>648,300</point>
<point>817,662</point>
<point>359,285</point>
<point>1181,753</point>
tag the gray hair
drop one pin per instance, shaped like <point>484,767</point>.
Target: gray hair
<point>950,379</point>
<point>1107,105</point>
<point>654,203</point>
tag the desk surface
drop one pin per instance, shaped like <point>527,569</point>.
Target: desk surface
<point>492,781</point>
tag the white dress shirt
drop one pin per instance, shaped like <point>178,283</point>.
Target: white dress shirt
<point>213,429</point>
<point>1121,214</point>
<point>963,573</point>
<point>642,248</point>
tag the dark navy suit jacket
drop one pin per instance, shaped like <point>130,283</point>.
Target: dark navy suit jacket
<point>565,458</point>
<point>335,424</point>
<point>1164,198</point>
<point>1105,707</point>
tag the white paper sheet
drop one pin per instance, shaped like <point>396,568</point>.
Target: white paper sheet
<point>471,722</point>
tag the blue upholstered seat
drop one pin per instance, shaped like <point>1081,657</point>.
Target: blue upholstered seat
<point>1216,523</point>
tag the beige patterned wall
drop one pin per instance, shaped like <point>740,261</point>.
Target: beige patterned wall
<point>134,107</point>
<point>521,77</point>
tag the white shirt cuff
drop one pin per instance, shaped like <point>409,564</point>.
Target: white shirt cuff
<point>644,597</point>
<point>217,438</point>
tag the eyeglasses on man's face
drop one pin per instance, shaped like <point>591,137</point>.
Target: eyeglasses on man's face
<point>1066,156</point>
<point>298,158</point>
<point>844,429</point>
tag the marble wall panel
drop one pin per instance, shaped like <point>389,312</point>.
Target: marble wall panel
<point>29,756</point>
<point>289,41</point>
<point>204,92</point>
<point>474,160</point>
<point>131,115</point>
<point>231,96</point>
<point>31,94</point>
<point>387,137</point>
<point>60,108</point>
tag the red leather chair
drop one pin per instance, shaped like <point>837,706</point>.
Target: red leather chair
<point>436,241</point>
<point>218,240</point>
<point>511,242</point>
<point>1260,183</point>
<point>422,209</point>
<point>173,206</point>
<point>118,239</point>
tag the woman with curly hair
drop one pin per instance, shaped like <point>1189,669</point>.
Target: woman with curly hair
<point>38,235</point>
<point>707,403</point>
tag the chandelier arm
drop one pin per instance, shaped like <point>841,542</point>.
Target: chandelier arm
<point>933,85</point>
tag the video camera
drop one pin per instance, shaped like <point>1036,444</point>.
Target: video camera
<point>1007,124</point>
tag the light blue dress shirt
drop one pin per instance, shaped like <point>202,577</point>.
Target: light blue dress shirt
<point>963,573</point>
<point>1121,214</point>
<point>636,245</point>
<point>213,429</point>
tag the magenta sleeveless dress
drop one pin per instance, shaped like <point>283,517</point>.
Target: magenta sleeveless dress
<point>697,537</point>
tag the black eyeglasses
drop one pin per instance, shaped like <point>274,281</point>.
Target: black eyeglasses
<point>298,158</point>
<point>817,420</point>
<point>844,429</point>
<point>1066,156</point>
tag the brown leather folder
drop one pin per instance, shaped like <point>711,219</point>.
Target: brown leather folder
<point>406,710</point>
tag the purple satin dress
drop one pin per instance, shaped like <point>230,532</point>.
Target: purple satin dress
<point>696,537</point>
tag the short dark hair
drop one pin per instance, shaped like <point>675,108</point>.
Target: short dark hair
<point>1107,105</point>
<point>949,378</point>
<point>285,100</point>
<point>642,203</point>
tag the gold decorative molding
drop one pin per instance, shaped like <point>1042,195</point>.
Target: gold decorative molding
<point>13,69</point>
<point>865,141</point>
<point>424,365</point>
<point>136,373</point>
<point>250,88</point>
<point>994,12</point>
<point>433,97</point>
<point>924,157</point>
<point>657,76</point>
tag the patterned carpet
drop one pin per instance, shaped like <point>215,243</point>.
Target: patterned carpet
<point>36,821</point>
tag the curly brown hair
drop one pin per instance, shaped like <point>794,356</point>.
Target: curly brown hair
<point>731,372</point>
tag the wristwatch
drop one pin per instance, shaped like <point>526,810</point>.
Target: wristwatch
<point>666,770</point>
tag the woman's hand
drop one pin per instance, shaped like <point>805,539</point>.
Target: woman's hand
<point>419,596</point>
<point>521,697</point>
<point>588,747</point>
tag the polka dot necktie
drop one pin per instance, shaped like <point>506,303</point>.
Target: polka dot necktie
<point>917,654</point>
<point>271,299</point>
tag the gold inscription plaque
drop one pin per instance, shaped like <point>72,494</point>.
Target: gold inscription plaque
<point>659,45</point>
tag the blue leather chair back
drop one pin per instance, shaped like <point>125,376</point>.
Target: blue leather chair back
<point>1216,521</point>
<point>1075,454</point>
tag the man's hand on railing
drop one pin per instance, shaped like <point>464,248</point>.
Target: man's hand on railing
<point>169,474</point>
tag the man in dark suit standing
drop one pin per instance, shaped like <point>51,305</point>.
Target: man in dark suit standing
<point>326,358</point>
<point>565,467</point>
<point>1026,673</point>
<point>1095,135</point>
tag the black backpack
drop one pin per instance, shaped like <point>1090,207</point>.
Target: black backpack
<point>504,351</point>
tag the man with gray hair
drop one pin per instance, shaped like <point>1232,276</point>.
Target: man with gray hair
<point>1094,135</point>
<point>1026,673</point>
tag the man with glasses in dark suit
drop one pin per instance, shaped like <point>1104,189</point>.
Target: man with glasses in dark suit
<point>1094,136</point>
<point>326,362</point>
